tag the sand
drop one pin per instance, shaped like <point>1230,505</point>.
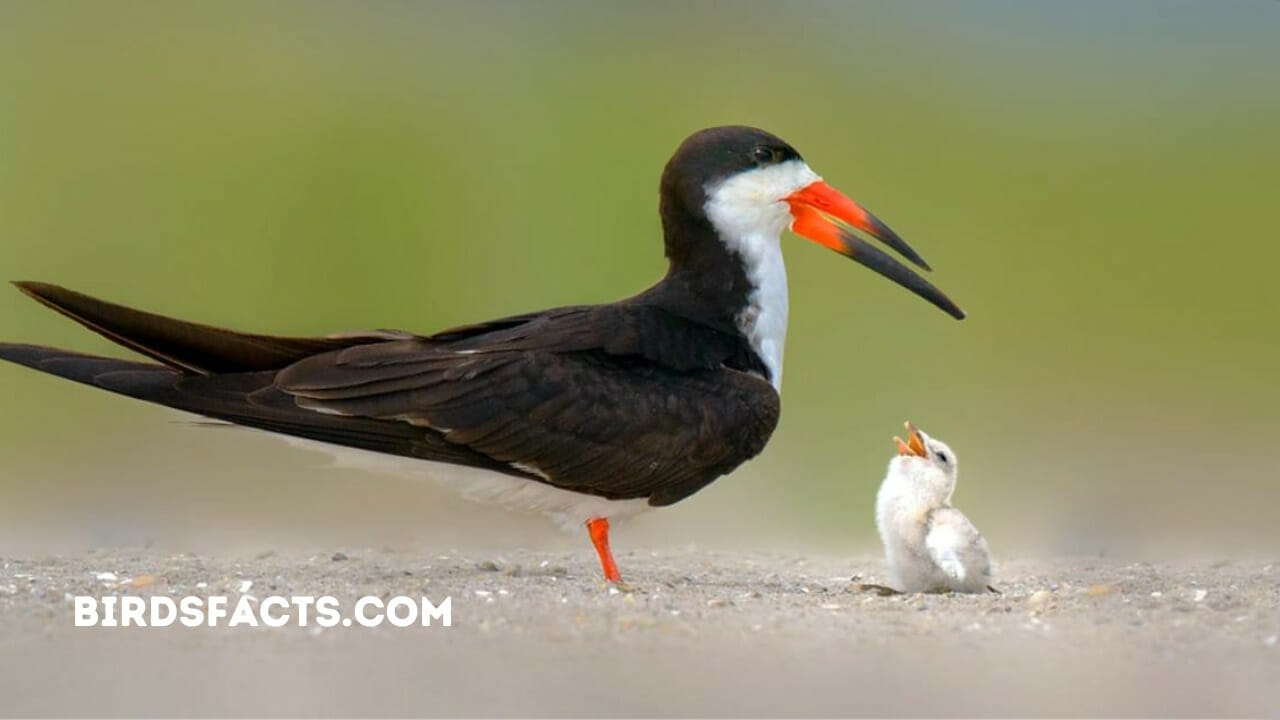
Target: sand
<point>701,634</point>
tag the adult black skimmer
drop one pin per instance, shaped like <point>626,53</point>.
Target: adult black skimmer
<point>586,412</point>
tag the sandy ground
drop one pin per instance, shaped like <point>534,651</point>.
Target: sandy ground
<point>702,634</point>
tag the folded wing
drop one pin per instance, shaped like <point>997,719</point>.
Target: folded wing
<point>620,401</point>
<point>617,426</point>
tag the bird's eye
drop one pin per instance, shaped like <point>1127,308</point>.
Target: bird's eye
<point>765,156</point>
<point>943,457</point>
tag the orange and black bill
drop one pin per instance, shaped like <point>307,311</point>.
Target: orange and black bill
<point>914,444</point>
<point>812,210</point>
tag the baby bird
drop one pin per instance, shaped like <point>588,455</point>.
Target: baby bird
<point>930,546</point>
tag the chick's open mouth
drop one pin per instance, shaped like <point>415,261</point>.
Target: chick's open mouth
<point>914,444</point>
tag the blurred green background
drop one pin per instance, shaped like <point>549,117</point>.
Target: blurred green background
<point>1094,182</point>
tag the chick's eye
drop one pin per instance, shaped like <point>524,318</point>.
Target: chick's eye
<point>943,457</point>
<point>764,155</point>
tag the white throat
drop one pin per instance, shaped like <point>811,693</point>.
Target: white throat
<point>749,214</point>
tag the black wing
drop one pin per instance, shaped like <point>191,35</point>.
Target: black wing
<point>248,399</point>
<point>622,401</point>
<point>186,345</point>
<point>585,411</point>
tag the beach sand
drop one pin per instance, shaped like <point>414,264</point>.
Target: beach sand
<point>536,633</point>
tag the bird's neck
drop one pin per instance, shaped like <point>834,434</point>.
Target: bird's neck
<point>735,281</point>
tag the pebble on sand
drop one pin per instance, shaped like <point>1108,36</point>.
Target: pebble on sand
<point>1039,600</point>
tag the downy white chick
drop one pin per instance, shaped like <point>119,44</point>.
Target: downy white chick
<point>930,546</point>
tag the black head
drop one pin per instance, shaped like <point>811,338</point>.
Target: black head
<point>727,188</point>
<point>709,156</point>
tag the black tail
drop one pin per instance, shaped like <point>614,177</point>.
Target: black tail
<point>228,396</point>
<point>248,399</point>
<point>224,375</point>
<point>183,345</point>
<point>122,376</point>
<point>206,370</point>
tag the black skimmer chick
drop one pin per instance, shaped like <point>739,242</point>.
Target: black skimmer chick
<point>585,413</point>
<point>930,546</point>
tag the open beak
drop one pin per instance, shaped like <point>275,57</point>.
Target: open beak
<point>914,444</point>
<point>813,208</point>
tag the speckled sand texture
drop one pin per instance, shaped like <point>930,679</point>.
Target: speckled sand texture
<point>736,634</point>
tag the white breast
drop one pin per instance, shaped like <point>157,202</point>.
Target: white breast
<point>749,214</point>
<point>764,320</point>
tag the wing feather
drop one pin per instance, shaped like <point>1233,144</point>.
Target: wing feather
<point>624,400</point>
<point>587,420</point>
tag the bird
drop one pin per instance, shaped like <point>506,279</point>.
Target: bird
<point>584,413</point>
<point>930,546</point>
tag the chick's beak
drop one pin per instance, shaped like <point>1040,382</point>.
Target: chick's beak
<point>914,444</point>
<point>813,208</point>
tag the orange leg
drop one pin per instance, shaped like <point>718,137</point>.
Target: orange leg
<point>599,530</point>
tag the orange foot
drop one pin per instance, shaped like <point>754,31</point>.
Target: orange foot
<point>599,531</point>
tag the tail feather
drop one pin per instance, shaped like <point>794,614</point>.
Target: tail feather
<point>224,375</point>
<point>249,399</point>
<point>86,369</point>
<point>183,345</point>
<point>210,371</point>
